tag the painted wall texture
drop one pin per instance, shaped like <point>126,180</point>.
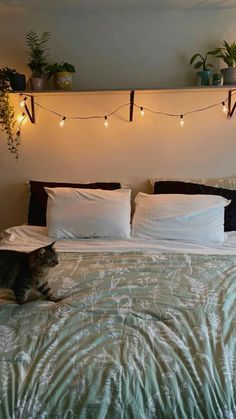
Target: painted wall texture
<point>121,50</point>
<point>118,51</point>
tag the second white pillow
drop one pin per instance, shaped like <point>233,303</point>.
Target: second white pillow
<point>179,217</point>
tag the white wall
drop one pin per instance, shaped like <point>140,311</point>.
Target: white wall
<point>118,51</point>
<point>121,50</point>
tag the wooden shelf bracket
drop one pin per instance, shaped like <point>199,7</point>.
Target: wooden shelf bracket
<point>231,108</point>
<point>30,112</point>
<point>131,111</point>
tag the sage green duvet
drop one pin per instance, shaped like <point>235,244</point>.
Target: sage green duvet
<point>137,336</point>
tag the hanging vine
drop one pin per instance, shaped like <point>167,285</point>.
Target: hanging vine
<point>7,116</point>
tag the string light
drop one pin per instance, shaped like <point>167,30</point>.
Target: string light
<point>181,121</point>
<point>23,102</point>
<point>21,118</point>
<point>62,122</point>
<point>106,122</point>
<point>224,109</point>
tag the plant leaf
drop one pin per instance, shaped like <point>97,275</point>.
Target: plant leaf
<point>194,58</point>
<point>198,64</point>
<point>215,51</point>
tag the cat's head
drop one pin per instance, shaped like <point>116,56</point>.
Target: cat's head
<point>46,255</point>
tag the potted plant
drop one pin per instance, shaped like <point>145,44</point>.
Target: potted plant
<point>16,80</point>
<point>205,74</point>
<point>228,54</point>
<point>7,115</point>
<point>37,51</point>
<point>62,74</point>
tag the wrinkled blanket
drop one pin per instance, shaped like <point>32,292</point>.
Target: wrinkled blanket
<point>137,335</point>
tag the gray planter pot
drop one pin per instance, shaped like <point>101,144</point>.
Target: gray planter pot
<point>229,75</point>
<point>37,83</point>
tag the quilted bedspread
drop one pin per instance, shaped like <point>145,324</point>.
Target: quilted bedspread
<point>137,336</point>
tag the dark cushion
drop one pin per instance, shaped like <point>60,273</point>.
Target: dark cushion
<point>188,188</point>
<point>38,197</point>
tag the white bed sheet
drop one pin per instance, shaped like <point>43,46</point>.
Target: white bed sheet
<point>27,238</point>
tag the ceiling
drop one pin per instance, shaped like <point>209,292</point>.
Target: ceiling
<point>77,6</point>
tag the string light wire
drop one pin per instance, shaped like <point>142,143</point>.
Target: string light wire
<point>183,113</point>
<point>83,117</point>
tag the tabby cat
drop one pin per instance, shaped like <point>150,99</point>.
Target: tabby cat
<point>27,272</point>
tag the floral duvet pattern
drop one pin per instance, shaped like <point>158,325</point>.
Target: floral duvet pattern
<point>137,336</point>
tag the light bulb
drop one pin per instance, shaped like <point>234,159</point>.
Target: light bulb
<point>106,122</point>
<point>181,120</point>
<point>21,118</point>
<point>224,109</point>
<point>141,111</point>
<point>62,122</point>
<point>23,102</point>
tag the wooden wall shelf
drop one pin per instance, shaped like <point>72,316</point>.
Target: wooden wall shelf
<point>33,93</point>
<point>173,89</point>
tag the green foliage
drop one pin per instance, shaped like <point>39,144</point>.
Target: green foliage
<point>8,72</point>
<point>7,114</point>
<point>51,69</point>
<point>37,51</point>
<point>228,53</point>
<point>202,62</point>
<point>5,75</point>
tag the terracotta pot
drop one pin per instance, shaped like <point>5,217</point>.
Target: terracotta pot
<point>63,80</point>
<point>37,83</point>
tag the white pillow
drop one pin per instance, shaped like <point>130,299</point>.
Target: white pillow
<point>86,213</point>
<point>179,217</point>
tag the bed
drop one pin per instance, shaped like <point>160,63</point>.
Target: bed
<point>145,329</point>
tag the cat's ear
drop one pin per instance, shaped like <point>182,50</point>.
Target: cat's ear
<point>51,244</point>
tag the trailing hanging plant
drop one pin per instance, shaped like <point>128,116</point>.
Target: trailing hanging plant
<point>7,115</point>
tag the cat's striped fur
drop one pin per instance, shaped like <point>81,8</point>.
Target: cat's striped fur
<point>23,272</point>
